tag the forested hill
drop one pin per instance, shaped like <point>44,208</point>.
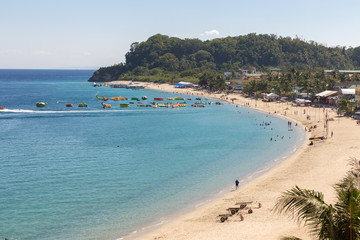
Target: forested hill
<point>161,55</point>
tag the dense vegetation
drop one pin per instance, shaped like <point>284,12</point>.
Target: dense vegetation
<point>169,59</point>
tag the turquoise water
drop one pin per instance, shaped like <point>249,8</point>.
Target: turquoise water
<point>93,173</point>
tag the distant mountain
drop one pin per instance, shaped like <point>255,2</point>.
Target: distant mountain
<point>167,56</point>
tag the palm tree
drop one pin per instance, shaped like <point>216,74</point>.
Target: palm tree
<point>327,221</point>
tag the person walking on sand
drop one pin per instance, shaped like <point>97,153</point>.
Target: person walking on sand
<point>236,183</point>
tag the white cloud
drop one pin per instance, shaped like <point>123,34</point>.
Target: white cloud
<point>211,33</point>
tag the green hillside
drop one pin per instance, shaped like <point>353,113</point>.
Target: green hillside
<point>168,59</point>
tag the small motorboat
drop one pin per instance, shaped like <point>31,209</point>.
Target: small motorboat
<point>144,97</point>
<point>41,104</point>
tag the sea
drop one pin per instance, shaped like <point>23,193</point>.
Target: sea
<point>95,173</point>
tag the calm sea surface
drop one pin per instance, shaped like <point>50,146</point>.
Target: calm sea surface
<point>93,173</point>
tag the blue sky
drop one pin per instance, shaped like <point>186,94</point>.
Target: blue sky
<point>92,33</point>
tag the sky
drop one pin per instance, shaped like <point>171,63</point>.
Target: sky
<point>88,34</point>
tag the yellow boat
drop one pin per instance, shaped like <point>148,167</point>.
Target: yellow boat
<point>182,105</point>
<point>117,98</point>
<point>104,105</point>
<point>164,105</point>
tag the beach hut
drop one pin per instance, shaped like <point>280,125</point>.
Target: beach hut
<point>272,95</point>
<point>326,97</point>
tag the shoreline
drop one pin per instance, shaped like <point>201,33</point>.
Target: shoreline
<point>304,168</point>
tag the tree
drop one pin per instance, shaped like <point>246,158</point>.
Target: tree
<point>327,221</point>
<point>346,106</point>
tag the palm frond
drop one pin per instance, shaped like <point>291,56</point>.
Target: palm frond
<point>308,207</point>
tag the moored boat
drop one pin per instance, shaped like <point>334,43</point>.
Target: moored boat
<point>41,104</point>
<point>124,105</point>
<point>102,98</point>
<point>178,98</point>
<point>176,105</point>
<point>197,105</point>
<point>159,99</point>
<point>69,105</point>
<point>182,105</point>
<point>117,98</point>
<point>2,108</point>
<point>135,98</point>
<point>104,105</point>
<point>82,104</point>
<point>144,97</point>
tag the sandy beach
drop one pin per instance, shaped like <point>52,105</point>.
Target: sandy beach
<point>316,167</point>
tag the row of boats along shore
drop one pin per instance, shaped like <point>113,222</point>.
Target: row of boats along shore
<point>141,102</point>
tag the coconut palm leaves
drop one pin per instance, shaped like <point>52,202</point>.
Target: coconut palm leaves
<point>327,221</point>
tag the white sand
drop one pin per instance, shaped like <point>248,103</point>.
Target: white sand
<point>316,167</point>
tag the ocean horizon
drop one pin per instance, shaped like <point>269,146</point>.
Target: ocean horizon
<point>94,173</point>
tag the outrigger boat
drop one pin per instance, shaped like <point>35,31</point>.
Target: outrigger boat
<point>41,104</point>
